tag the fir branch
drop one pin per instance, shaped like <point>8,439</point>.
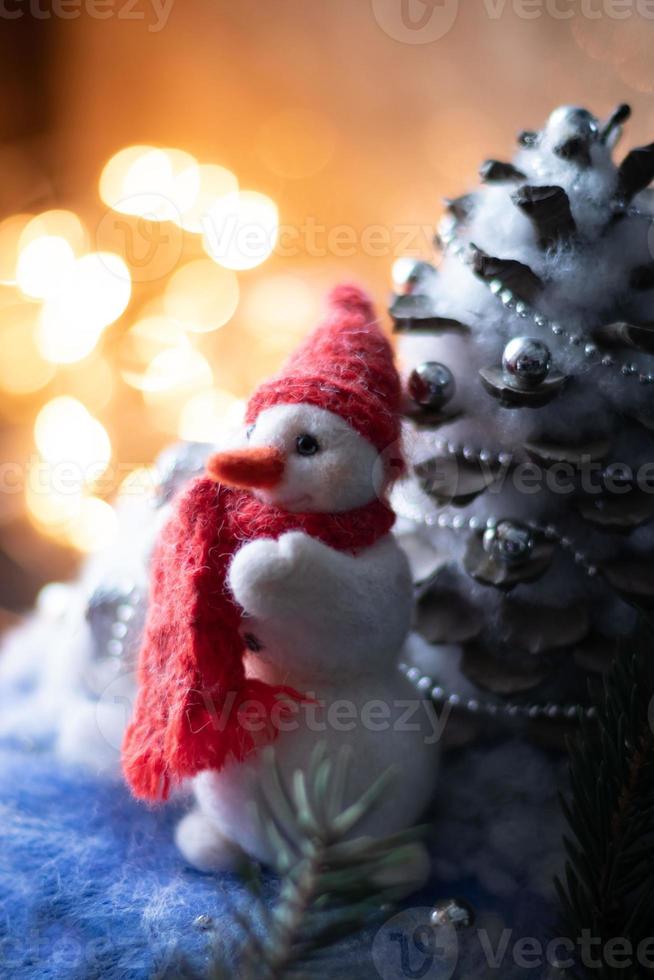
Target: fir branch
<point>332,884</point>
<point>608,891</point>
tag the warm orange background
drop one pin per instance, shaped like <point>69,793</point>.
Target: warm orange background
<point>308,101</point>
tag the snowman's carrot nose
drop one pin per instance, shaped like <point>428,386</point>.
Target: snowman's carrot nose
<point>259,466</point>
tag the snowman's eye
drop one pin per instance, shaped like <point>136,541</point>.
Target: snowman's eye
<point>306,445</point>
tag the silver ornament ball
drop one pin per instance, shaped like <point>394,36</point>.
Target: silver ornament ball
<point>411,275</point>
<point>453,912</point>
<point>526,361</point>
<point>431,385</point>
<point>509,542</point>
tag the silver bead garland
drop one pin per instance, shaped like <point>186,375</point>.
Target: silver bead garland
<point>123,601</point>
<point>471,454</point>
<point>426,685</point>
<point>453,246</point>
<point>457,522</point>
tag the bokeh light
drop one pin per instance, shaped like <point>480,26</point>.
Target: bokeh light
<point>58,223</point>
<point>214,182</point>
<point>94,294</point>
<point>11,230</point>
<point>209,414</point>
<point>51,508</point>
<point>176,371</point>
<point>201,296</point>
<point>161,184</point>
<point>241,230</point>
<point>66,432</point>
<point>22,368</point>
<point>145,339</point>
<point>94,526</point>
<point>43,263</point>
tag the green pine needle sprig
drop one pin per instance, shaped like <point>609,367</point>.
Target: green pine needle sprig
<point>333,883</point>
<point>607,893</point>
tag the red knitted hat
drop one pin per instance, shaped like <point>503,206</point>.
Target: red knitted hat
<point>344,366</point>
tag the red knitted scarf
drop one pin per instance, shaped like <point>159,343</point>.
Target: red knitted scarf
<point>193,690</point>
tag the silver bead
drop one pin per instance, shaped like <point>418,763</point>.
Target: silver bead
<point>590,349</point>
<point>509,542</point>
<point>507,297</point>
<point>495,286</point>
<point>526,361</point>
<point>203,922</point>
<point>556,329</point>
<point>431,385</point>
<point>114,613</point>
<point>453,912</point>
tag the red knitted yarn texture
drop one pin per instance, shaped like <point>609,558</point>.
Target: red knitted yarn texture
<point>193,690</point>
<point>344,366</point>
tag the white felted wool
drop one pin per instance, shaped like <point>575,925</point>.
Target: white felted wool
<point>344,475</point>
<point>332,625</point>
<point>276,576</point>
<point>589,279</point>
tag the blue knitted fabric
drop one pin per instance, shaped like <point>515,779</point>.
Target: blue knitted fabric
<point>91,884</point>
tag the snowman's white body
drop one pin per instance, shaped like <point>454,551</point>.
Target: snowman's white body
<point>331,625</point>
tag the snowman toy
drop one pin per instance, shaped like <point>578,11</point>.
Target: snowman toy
<point>279,604</point>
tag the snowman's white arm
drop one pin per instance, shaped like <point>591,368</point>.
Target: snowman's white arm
<point>298,577</point>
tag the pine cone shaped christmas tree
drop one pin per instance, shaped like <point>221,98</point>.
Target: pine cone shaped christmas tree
<point>529,507</point>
